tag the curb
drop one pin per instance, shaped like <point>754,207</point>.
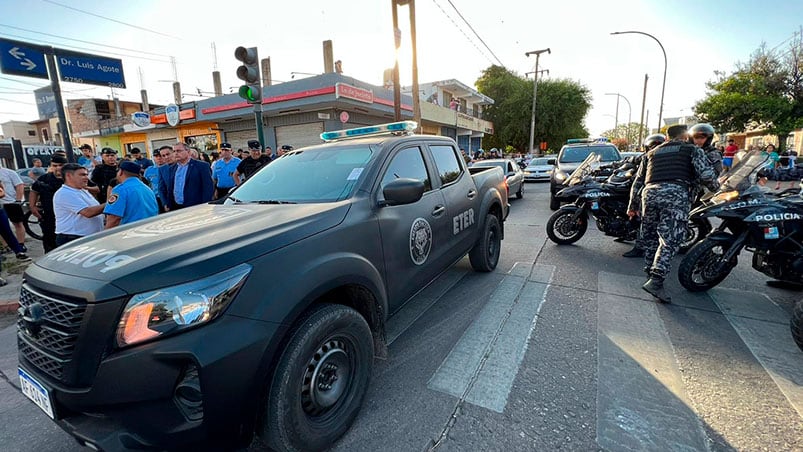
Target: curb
<point>9,306</point>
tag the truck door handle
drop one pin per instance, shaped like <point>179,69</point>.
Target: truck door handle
<point>439,210</point>
<point>471,194</point>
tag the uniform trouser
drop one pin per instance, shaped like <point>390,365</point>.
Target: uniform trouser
<point>48,225</point>
<point>7,234</point>
<point>665,209</point>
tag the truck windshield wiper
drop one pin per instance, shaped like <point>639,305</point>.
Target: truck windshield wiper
<point>274,201</point>
<point>233,198</point>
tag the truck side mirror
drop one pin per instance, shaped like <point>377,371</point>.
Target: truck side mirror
<point>551,161</point>
<point>402,191</point>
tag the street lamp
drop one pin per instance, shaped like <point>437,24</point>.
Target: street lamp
<point>535,91</point>
<point>629,112</point>
<point>663,86</point>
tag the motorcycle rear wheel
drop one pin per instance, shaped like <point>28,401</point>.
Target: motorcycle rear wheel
<point>702,268</point>
<point>563,229</point>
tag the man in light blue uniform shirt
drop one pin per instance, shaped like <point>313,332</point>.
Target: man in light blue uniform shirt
<point>152,175</point>
<point>223,171</point>
<point>131,200</point>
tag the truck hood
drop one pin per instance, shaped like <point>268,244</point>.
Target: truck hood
<point>190,243</point>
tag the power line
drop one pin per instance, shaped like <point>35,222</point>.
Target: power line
<point>81,40</point>
<point>461,31</point>
<point>21,81</point>
<point>475,33</point>
<point>16,101</point>
<point>113,20</point>
<point>72,47</point>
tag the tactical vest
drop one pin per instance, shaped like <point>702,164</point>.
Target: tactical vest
<point>670,162</point>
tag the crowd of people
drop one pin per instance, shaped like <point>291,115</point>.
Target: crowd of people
<point>97,192</point>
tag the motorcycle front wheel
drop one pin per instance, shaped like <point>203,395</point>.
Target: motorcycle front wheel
<point>696,230</point>
<point>563,228</point>
<point>703,267</point>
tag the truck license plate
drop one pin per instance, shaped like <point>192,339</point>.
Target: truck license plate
<point>36,392</point>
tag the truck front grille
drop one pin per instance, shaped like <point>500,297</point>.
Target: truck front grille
<point>49,341</point>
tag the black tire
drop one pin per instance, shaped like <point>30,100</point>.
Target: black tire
<point>520,193</point>
<point>696,230</point>
<point>554,204</point>
<point>32,226</point>
<point>563,230</point>
<point>702,269</point>
<point>485,255</point>
<point>796,324</point>
<point>329,341</point>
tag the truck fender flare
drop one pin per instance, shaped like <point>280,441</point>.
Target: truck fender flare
<point>491,203</point>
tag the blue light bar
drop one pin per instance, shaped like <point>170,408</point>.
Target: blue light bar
<point>404,127</point>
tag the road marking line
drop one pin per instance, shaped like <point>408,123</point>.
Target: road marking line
<point>764,329</point>
<point>641,400</point>
<point>483,364</point>
<point>415,308</point>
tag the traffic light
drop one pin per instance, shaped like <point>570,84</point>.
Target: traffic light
<point>249,73</point>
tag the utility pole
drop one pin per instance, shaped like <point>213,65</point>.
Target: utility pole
<point>535,91</point>
<point>416,94</point>
<point>643,102</point>
<point>397,42</point>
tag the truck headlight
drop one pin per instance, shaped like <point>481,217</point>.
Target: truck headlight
<point>173,309</point>
<point>560,176</point>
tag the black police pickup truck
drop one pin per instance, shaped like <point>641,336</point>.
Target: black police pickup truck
<point>257,314</point>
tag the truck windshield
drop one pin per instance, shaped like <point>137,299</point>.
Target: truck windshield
<point>576,154</point>
<point>307,176</point>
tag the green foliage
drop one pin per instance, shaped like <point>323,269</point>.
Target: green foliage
<point>629,133</point>
<point>764,93</point>
<point>560,110</point>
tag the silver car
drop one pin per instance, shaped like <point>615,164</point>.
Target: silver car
<point>513,174</point>
<point>538,169</point>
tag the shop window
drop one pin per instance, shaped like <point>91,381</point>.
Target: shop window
<point>204,143</point>
<point>31,133</point>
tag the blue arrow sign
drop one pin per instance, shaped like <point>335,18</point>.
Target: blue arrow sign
<point>90,69</point>
<point>22,58</point>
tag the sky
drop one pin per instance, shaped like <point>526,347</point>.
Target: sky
<point>456,39</point>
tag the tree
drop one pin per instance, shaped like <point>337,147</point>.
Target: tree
<point>628,133</point>
<point>765,93</point>
<point>562,105</point>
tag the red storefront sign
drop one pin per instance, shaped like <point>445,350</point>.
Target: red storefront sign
<point>354,93</point>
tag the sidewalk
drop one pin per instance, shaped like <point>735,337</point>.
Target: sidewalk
<point>12,272</point>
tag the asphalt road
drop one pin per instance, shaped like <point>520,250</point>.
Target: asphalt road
<point>558,348</point>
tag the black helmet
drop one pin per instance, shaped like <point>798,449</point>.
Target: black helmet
<point>654,140</point>
<point>704,129</point>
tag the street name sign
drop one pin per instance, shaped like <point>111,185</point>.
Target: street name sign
<point>90,69</point>
<point>22,58</point>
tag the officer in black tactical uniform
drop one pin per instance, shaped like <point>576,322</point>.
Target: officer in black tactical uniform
<point>702,135</point>
<point>649,143</point>
<point>668,174</point>
<point>103,174</point>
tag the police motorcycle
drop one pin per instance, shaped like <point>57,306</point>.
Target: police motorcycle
<point>768,225</point>
<point>606,202</point>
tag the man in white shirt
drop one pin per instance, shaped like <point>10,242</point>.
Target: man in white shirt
<point>78,213</point>
<point>12,202</point>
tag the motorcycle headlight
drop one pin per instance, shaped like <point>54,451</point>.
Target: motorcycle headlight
<point>174,309</point>
<point>725,196</point>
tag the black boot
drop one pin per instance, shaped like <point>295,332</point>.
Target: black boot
<point>655,287</point>
<point>635,252</point>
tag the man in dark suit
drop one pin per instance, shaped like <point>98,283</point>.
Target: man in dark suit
<point>189,181</point>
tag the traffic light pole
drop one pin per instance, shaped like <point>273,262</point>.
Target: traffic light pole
<point>258,120</point>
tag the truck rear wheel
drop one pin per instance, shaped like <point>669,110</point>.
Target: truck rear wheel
<point>485,254</point>
<point>320,380</point>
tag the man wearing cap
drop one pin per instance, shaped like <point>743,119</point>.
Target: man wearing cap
<point>143,162</point>
<point>668,173</point>
<point>189,182</point>
<point>223,171</point>
<point>130,200</point>
<point>41,200</point>
<point>104,173</point>
<point>78,213</point>
<point>87,160</point>
<point>284,150</point>
<point>251,164</point>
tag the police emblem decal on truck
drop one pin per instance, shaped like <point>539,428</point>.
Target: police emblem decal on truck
<point>168,225</point>
<point>420,241</point>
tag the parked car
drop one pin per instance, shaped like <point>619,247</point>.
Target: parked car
<point>571,155</point>
<point>513,174</point>
<point>539,169</point>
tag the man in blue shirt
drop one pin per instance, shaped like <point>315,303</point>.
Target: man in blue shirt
<point>223,171</point>
<point>152,176</point>
<point>141,160</point>
<point>130,200</point>
<point>189,181</point>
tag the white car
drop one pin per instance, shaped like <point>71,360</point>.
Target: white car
<point>538,169</point>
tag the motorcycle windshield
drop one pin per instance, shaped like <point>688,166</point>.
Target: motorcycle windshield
<point>743,175</point>
<point>584,170</point>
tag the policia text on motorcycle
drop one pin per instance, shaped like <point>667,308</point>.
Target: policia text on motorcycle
<point>668,174</point>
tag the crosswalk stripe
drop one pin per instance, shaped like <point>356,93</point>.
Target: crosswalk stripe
<point>641,400</point>
<point>410,312</point>
<point>764,328</point>
<point>482,365</point>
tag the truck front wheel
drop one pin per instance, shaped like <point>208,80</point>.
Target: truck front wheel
<point>485,254</point>
<point>320,380</point>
